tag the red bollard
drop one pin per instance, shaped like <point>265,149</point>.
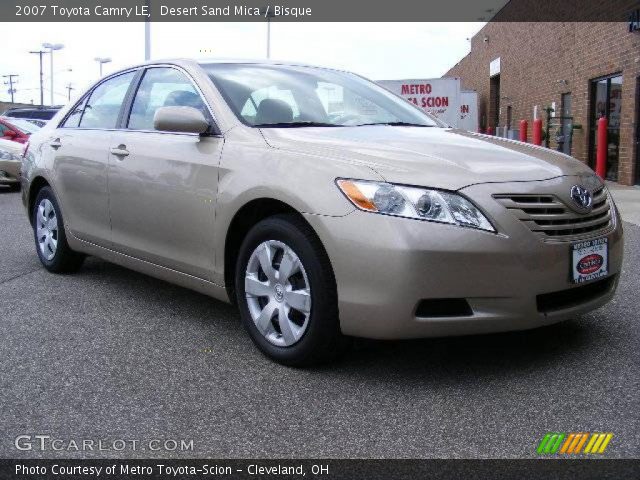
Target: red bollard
<point>489,130</point>
<point>601,153</point>
<point>537,131</point>
<point>523,130</point>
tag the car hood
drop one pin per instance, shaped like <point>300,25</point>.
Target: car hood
<point>435,157</point>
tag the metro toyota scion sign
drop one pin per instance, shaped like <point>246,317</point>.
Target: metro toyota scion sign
<point>437,96</point>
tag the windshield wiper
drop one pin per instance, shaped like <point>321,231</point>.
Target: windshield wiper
<point>395,124</point>
<point>295,125</point>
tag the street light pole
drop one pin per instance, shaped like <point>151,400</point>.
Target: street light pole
<point>268,13</point>
<point>268,36</point>
<point>52,47</point>
<point>101,61</point>
<point>40,53</point>
<point>147,34</point>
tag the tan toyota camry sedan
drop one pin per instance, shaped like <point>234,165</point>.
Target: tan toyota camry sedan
<point>320,203</point>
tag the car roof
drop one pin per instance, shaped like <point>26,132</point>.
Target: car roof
<point>183,61</point>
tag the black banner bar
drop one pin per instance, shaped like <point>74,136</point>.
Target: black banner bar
<point>329,469</point>
<point>318,10</point>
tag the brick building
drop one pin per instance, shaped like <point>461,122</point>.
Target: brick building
<point>585,70</point>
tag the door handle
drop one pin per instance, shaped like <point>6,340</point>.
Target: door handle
<point>119,151</point>
<point>55,143</point>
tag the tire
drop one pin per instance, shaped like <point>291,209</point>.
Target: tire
<point>314,339</point>
<point>50,237</point>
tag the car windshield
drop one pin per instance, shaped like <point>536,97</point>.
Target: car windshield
<point>293,96</point>
<point>24,126</point>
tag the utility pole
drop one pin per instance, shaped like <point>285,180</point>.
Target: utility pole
<point>40,53</point>
<point>10,83</point>
<point>69,88</point>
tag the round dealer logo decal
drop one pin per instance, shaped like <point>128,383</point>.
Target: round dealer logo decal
<point>590,264</point>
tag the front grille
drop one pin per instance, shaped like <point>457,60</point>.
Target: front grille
<point>573,297</point>
<point>549,217</point>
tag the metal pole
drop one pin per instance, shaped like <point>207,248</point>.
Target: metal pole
<point>268,36</point>
<point>51,55</point>
<point>40,53</point>
<point>100,69</point>
<point>10,77</point>
<point>147,34</point>
<point>41,81</point>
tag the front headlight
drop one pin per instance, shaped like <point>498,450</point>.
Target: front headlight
<point>412,202</point>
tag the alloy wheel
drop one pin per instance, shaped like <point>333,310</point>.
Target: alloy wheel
<point>278,293</point>
<point>47,229</point>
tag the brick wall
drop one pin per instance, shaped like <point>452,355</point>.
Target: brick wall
<point>542,60</point>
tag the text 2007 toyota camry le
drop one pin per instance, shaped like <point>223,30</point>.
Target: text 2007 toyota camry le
<point>320,203</point>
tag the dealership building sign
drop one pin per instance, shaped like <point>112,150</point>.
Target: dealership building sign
<point>437,96</point>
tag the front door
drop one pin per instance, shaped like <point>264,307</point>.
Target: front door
<point>606,101</point>
<point>162,185</point>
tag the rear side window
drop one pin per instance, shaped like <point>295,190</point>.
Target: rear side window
<point>21,114</point>
<point>73,119</point>
<point>103,106</point>
<point>162,87</point>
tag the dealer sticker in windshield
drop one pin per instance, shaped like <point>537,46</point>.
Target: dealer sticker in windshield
<point>590,260</point>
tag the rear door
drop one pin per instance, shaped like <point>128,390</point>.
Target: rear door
<point>80,151</point>
<point>163,185</point>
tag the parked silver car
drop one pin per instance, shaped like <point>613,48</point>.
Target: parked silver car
<point>322,204</point>
<point>10,160</point>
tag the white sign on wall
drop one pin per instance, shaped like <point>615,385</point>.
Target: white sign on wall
<point>468,111</point>
<point>494,67</point>
<point>437,96</point>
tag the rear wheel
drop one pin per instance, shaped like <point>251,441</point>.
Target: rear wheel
<point>287,293</point>
<point>50,238</point>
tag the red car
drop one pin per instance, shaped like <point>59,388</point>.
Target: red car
<point>16,129</point>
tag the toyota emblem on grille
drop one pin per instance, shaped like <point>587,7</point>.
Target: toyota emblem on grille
<point>581,196</point>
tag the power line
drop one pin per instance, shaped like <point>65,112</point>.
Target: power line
<point>10,83</point>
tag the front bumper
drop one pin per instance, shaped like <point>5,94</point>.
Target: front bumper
<point>385,266</point>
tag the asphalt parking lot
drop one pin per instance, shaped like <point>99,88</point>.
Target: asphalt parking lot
<point>111,354</point>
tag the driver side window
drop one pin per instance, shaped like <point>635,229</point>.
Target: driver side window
<point>162,87</point>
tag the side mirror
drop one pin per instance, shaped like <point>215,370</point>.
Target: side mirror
<point>180,119</point>
<point>10,134</point>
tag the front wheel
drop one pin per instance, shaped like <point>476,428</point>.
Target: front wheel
<point>286,292</point>
<point>50,237</point>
